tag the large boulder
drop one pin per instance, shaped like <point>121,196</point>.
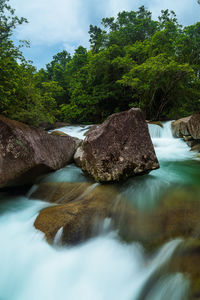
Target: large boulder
<point>189,126</point>
<point>119,148</point>
<point>27,152</point>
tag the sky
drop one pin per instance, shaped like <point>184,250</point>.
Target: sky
<point>56,25</point>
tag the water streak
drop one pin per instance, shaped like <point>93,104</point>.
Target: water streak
<point>103,268</point>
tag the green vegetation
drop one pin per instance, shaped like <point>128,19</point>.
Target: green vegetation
<point>133,61</point>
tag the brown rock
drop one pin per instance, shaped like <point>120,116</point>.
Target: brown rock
<point>188,138</point>
<point>60,192</point>
<point>187,126</point>
<point>178,215</point>
<point>58,132</point>
<point>81,213</point>
<point>181,213</point>
<point>83,207</point>
<point>192,143</point>
<point>196,148</point>
<point>119,148</point>
<point>26,152</point>
<point>186,260</point>
<point>159,123</point>
<point>180,127</point>
<point>194,126</point>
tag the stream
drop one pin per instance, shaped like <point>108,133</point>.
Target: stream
<point>104,267</point>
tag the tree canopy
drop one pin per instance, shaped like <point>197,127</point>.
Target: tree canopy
<point>133,61</point>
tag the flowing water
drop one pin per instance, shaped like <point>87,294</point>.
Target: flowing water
<point>103,268</point>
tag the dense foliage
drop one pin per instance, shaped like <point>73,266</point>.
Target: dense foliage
<point>133,61</point>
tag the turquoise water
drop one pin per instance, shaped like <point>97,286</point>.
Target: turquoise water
<point>103,268</point>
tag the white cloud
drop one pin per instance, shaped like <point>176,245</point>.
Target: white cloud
<point>66,22</point>
<point>51,21</point>
<point>188,12</point>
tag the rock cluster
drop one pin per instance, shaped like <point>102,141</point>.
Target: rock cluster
<point>119,148</point>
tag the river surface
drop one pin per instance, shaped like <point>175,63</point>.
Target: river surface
<point>105,267</point>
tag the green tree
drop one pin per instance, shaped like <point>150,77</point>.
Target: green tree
<point>128,28</point>
<point>160,85</point>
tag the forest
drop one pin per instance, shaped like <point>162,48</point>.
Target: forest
<point>133,61</point>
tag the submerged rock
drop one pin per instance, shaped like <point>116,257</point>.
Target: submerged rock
<point>119,148</point>
<point>81,210</point>
<point>58,133</point>
<point>196,148</point>
<point>27,152</point>
<point>186,260</point>
<point>177,216</point>
<point>61,192</point>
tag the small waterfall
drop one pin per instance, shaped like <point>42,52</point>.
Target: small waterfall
<point>167,147</point>
<point>167,130</point>
<point>155,130</point>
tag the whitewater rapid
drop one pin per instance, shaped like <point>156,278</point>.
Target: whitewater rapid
<point>102,268</point>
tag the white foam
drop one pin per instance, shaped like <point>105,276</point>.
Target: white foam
<point>101,269</point>
<point>167,147</point>
<point>75,131</point>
